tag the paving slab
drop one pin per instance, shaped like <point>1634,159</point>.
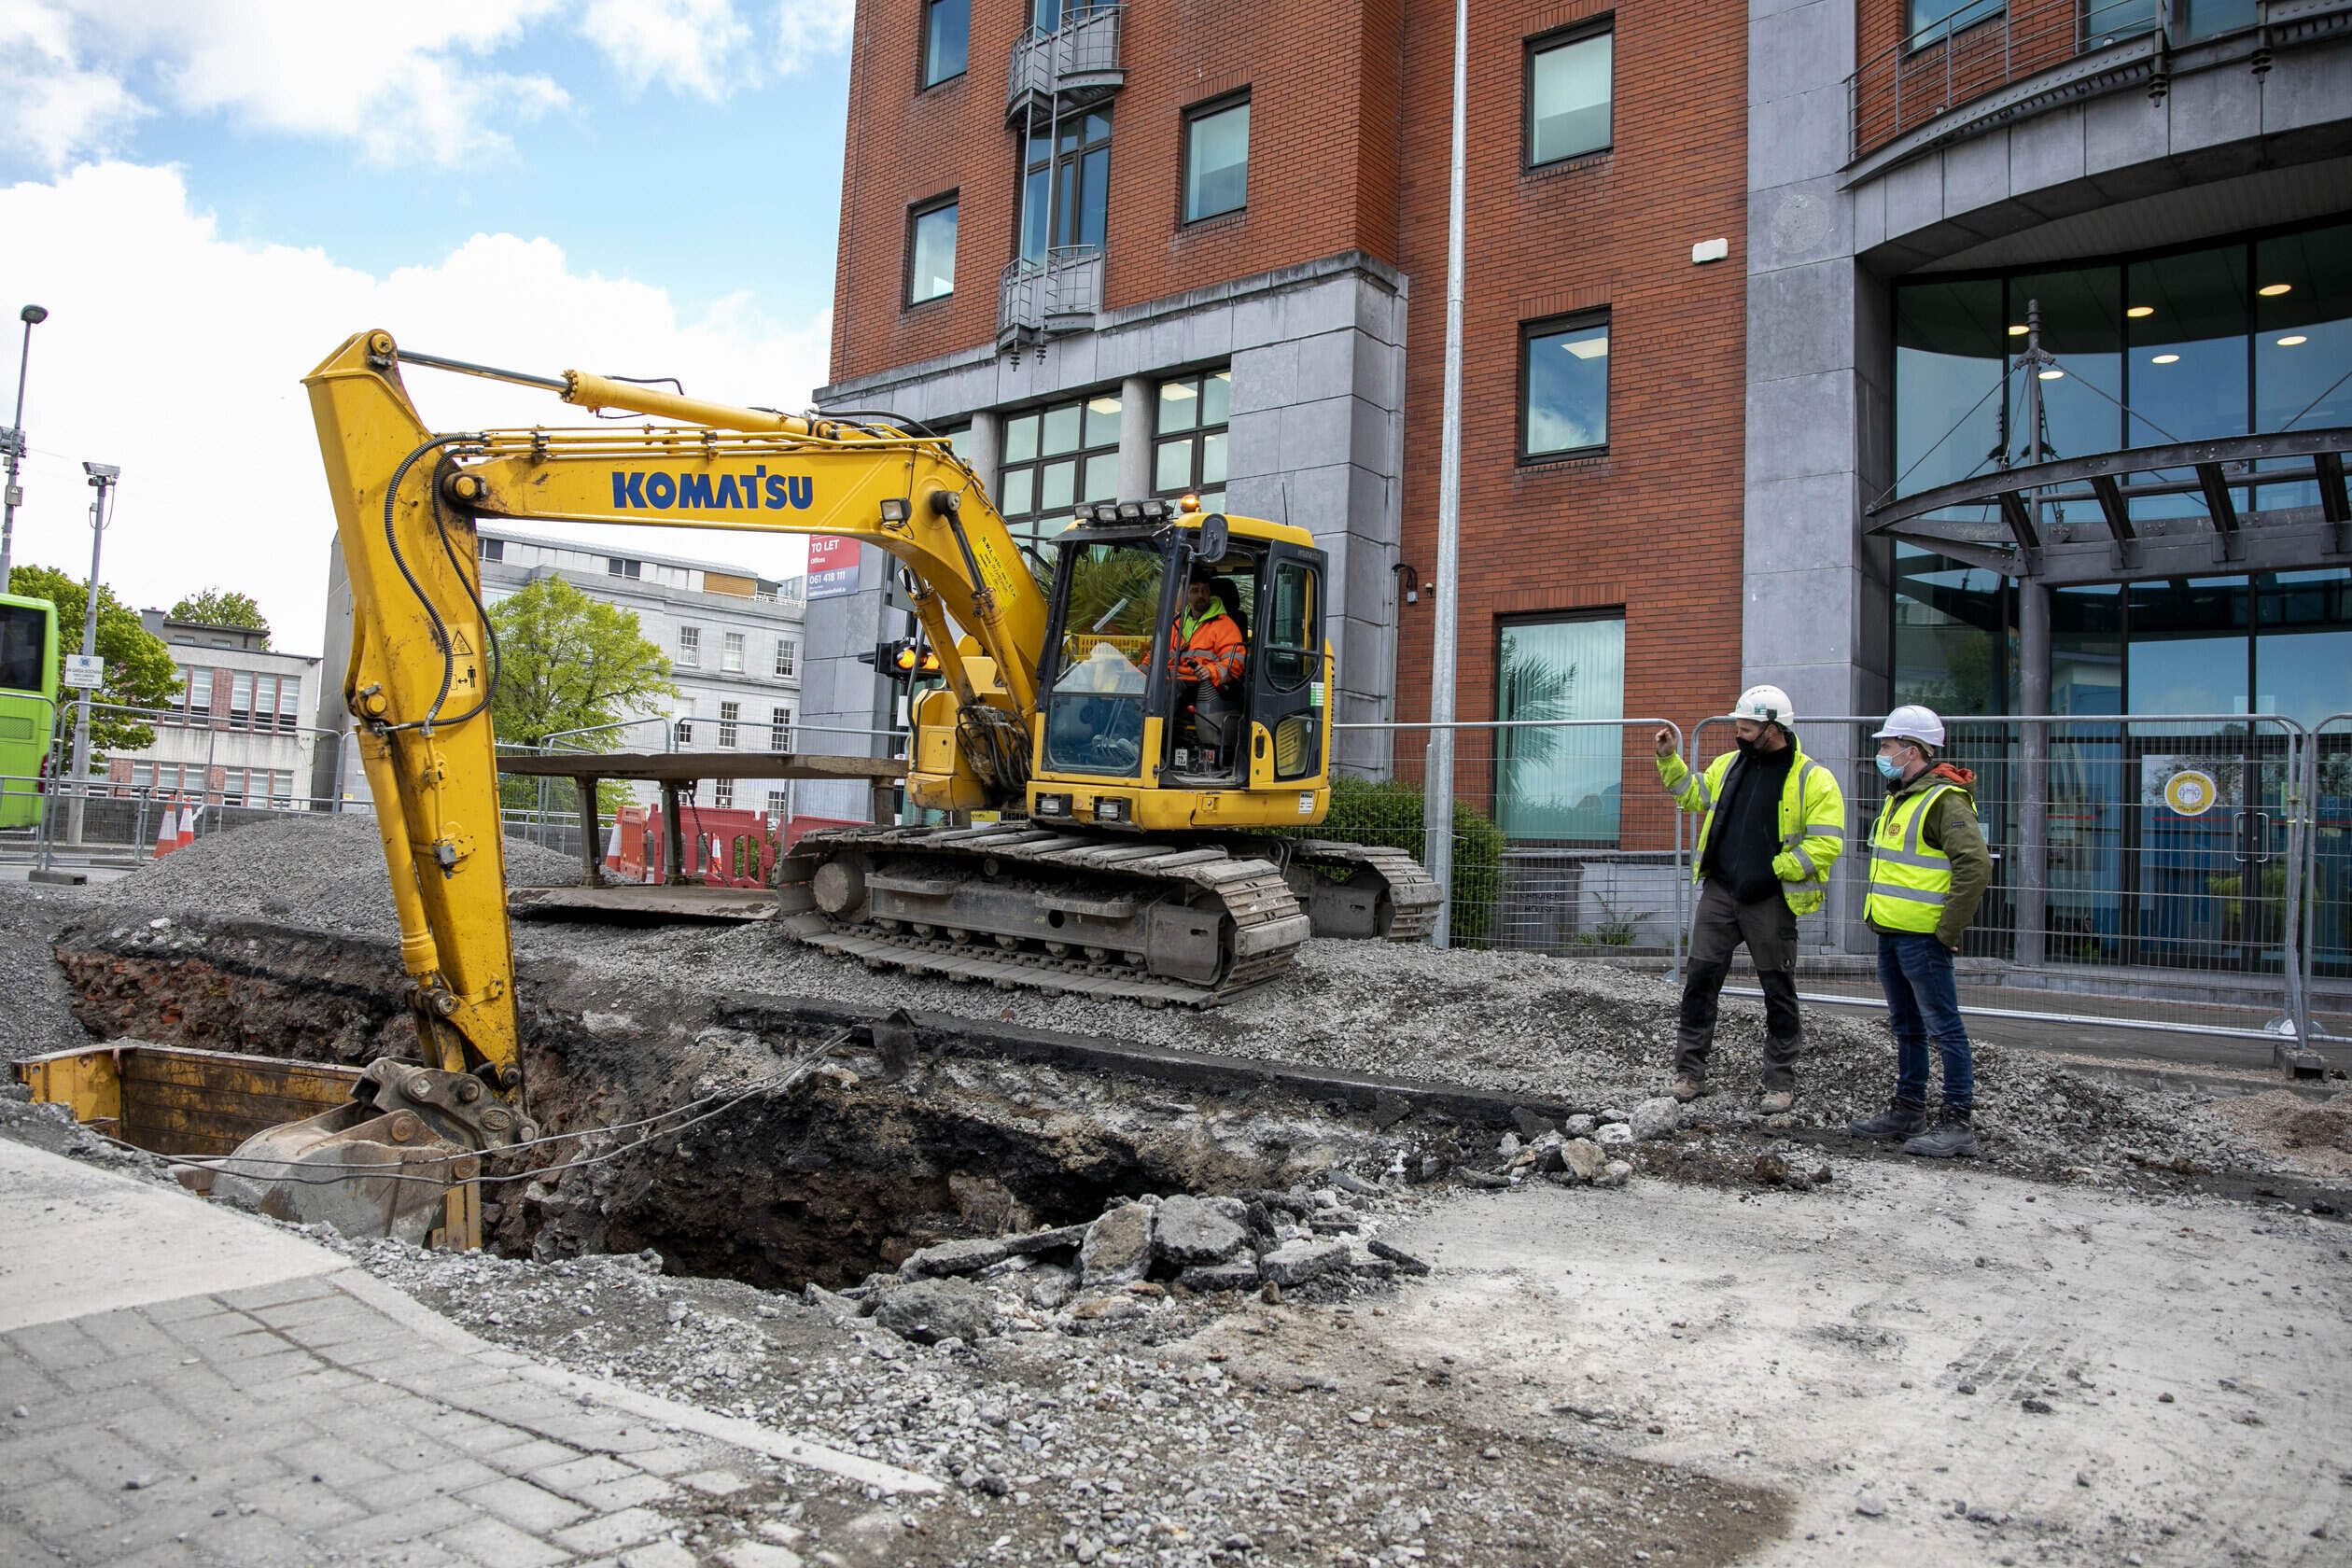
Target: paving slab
<point>183,1383</point>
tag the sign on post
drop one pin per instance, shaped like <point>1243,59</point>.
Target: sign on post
<point>832,565</point>
<point>85,671</point>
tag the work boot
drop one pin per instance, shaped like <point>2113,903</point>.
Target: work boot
<point>1952,1135</point>
<point>1687,1089</point>
<point>1777,1101</point>
<point>1902,1118</point>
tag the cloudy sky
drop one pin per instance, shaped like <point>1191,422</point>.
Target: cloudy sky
<point>210,195</point>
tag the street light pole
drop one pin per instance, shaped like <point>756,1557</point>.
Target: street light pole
<point>32,315</point>
<point>1437,769</point>
<point>101,479</point>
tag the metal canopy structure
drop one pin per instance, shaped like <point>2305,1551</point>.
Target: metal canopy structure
<point>2070,521</point>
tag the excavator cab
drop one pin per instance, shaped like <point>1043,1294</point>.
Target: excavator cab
<point>1184,679</point>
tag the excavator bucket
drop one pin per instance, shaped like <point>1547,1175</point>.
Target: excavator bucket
<point>401,1158</point>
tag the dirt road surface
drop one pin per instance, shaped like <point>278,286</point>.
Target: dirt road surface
<point>1943,1367</point>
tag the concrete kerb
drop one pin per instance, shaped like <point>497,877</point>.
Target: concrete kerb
<point>950,1033</point>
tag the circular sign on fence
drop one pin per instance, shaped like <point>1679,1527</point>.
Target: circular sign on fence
<point>2191,792</point>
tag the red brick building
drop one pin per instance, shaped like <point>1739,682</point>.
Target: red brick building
<point>1265,221</point>
<point>1735,275</point>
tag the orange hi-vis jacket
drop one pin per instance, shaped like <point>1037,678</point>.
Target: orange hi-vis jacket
<point>1208,648</point>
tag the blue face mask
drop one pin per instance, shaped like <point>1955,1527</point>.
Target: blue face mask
<point>1890,768</point>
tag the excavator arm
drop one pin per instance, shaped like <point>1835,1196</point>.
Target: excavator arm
<point>423,671</point>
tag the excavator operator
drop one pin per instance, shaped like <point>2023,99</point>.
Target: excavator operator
<point>1208,653</point>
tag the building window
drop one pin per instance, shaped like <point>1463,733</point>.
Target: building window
<point>1057,457</point>
<point>780,804</point>
<point>490,549</point>
<point>2181,345</point>
<point>690,647</point>
<point>947,39</point>
<point>780,729</point>
<point>142,775</point>
<point>200,692</point>
<point>282,785</point>
<point>787,658</point>
<point>722,793</point>
<point>685,731</point>
<point>1216,159</point>
<point>1559,786</point>
<point>1568,94</point>
<point>930,251</point>
<point>1564,386</point>
<point>241,696</point>
<point>729,715</point>
<point>618,566</point>
<point>1079,174</point>
<point>1934,21</point>
<point>730,652</point>
<point>290,702</point>
<point>1188,450</point>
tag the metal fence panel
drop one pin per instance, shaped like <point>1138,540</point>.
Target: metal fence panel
<point>2326,875</point>
<point>1562,841</point>
<point>2124,848</point>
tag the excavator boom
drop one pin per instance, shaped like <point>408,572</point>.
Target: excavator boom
<point>1105,910</point>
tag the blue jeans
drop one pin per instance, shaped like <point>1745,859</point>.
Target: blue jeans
<point>1923,1003</point>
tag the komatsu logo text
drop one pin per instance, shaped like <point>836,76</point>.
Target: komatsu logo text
<point>756,491</point>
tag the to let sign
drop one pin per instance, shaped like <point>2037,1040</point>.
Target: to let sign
<point>85,671</point>
<point>832,565</point>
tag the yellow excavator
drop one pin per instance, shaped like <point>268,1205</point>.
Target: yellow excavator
<point>1132,856</point>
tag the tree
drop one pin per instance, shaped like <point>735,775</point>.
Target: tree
<point>569,662</point>
<point>140,672</point>
<point>223,607</point>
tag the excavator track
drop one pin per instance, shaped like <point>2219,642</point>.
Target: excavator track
<point>1018,906</point>
<point>1364,891</point>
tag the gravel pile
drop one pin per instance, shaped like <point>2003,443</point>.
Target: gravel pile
<point>1563,1030</point>
<point>325,872</point>
<point>36,1013</point>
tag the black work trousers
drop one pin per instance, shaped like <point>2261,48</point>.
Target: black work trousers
<point>1770,930</point>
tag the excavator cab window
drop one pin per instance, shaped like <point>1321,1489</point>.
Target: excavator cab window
<point>1110,619</point>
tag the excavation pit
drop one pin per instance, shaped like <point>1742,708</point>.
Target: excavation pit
<point>911,1130</point>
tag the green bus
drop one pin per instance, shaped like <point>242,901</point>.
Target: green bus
<point>28,704</point>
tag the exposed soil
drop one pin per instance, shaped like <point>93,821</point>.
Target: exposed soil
<point>2295,1131</point>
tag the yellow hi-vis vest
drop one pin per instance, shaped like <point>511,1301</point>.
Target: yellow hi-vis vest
<point>1910,880</point>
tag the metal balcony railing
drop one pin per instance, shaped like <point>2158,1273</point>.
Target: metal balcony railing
<point>1040,299</point>
<point>1981,48</point>
<point>1998,61</point>
<point>1076,61</point>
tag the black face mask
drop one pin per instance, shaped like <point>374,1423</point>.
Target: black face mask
<point>1751,748</point>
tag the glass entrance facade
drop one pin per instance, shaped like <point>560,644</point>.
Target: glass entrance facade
<point>2187,344</point>
<point>2192,343</point>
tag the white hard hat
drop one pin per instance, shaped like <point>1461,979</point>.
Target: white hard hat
<point>1912,721</point>
<point>1766,704</point>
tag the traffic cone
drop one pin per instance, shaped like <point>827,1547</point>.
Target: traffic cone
<point>166,831</point>
<point>186,825</point>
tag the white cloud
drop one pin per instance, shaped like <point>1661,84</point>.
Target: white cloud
<point>807,31</point>
<point>179,356</point>
<point>405,80</point>
<point>49,105</point>
<point>688,46</point>
<point>402,81</point>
